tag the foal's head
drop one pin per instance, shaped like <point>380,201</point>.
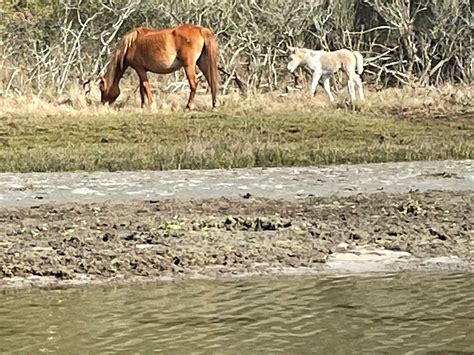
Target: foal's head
<point>295,59</point>
<point>108,91</point>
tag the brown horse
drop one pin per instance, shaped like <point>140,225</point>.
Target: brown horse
<point>162,51</point>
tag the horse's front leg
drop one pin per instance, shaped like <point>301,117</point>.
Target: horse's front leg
<point>145,88</point>
<point>142,94</point>
<point>327,87</point>
<point>191,75</point>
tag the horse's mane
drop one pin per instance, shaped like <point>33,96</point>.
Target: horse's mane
<point>117,58</point>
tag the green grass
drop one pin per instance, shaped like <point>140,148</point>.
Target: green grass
<point>224,139</point>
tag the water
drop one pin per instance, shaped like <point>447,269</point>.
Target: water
<point>402,313</point>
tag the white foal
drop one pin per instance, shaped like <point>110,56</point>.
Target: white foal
<point>324,64</point>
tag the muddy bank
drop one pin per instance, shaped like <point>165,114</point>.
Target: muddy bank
<point>213,237</point>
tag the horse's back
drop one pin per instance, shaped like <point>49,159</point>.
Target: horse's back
<point>347,58</point>
<point>188,28</point>
<point>188,35</point>
<point>154,50</point>
<point>343,54</point>
<point>330,61</point>
<point>187,31</point>
<point>165,50</point>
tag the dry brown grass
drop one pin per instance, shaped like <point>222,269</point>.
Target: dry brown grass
<point>273,129</point>
<point>423,100</point>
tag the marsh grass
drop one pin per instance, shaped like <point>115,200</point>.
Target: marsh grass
<point>262,130</point>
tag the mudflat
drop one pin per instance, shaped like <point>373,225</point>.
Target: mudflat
<point>180,238</point>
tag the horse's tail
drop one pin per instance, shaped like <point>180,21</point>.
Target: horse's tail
<point>359,62</point>
<point>210,51</point>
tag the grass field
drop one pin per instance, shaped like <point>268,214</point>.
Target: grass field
<point>262,130</point>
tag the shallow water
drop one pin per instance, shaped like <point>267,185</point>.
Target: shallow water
<point>401,313</point>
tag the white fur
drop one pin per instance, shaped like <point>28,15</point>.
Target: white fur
<point>351,62</point>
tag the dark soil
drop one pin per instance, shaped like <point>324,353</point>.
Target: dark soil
<point>173,238</point>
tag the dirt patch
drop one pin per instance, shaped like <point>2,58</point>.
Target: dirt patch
<point>180,238</point>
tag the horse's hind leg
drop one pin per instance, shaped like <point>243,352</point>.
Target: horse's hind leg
<point>327,87</point>
<point>191,75</point>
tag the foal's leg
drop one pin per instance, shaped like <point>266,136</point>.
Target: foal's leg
<point>350,87</point>
<point>191,75</point>
<point>314,84</point>
<point>327,87</point>
<point>360,88</point>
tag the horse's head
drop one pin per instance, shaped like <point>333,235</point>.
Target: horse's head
<point>295,59</point>
<point>108,92</point>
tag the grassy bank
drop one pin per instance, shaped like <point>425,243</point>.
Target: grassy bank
<point>264,130</point>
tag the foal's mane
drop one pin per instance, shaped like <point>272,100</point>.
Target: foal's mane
<point>307,50</point>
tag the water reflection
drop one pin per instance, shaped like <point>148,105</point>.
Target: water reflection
<point>401,313</point>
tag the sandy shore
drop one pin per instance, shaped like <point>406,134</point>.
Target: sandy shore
<point>287,183</point>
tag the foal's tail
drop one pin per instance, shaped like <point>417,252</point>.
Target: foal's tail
<point>210,51</point>
<point>359,62</point>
